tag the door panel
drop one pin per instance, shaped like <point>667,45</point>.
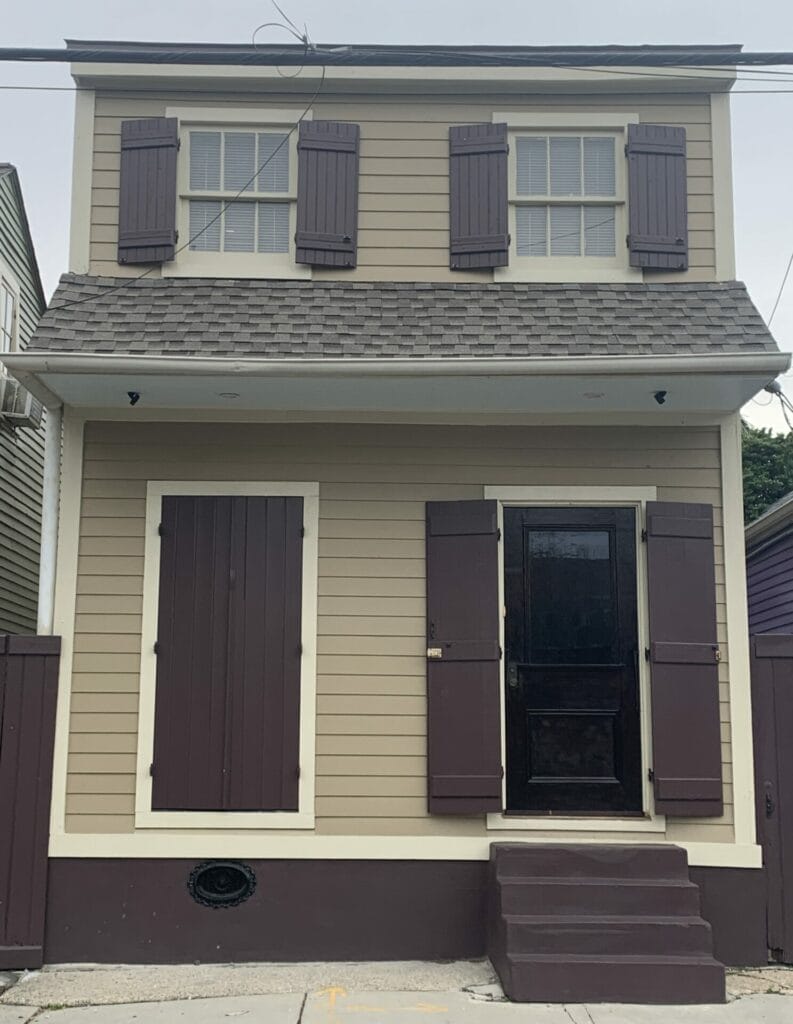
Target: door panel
<point>573,736</point>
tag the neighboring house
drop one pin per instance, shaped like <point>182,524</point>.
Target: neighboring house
<point>401,517</point>
<point>21,442</point>
<point>769,569</point>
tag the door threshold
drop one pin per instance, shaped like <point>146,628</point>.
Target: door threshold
<point>517,822</point>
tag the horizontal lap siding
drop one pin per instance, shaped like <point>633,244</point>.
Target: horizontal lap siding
<point>404,195</point>
<point>769,590</point>
<point>374,481</point>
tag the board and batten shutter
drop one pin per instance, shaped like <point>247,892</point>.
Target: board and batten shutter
<point>684,658</point>
<point>327,194</point>
<point>478,200</point>
<point>463,677</point>
<point>227,704</point>
<point>147,196</point>
<point>657,197</point>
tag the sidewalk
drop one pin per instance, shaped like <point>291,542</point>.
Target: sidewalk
<point>405,993</point>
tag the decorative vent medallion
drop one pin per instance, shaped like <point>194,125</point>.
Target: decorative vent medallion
<point>221,883</point>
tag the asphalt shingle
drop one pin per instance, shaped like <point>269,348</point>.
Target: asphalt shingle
<point>290,319</point>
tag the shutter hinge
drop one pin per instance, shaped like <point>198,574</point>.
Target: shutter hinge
<point>302,531</point>
<point>498,536</point>
<point>300,649</point>
<point>626,149</point>
<point>502,771</point>
<point>160,530</point>
<point>644,536</point>
<point>650,775</point>
<point>628,241</point>
<point>646,653</point>
<point>156,647</point>
<point>151,769</point>
<point>297,772</point>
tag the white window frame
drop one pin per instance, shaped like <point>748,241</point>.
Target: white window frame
<point>9,280</point>
<point>195,263</point>
<point>561,269</point>
<point>571,497</point>
<point>303,818</point>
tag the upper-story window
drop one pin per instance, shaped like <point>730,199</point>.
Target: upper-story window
<point>567,193</point>
<point>238,191</point>
<point>8,315</point>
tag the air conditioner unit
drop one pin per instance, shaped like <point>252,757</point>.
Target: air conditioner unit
<point>18,407</point>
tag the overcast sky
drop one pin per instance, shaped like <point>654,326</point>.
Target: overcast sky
<point>37,126</point>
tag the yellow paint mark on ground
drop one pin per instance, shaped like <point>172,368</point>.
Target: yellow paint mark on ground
<point>333,993</point>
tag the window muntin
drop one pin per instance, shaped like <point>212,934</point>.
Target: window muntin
<point>8,316</point>
<point>566,196</point>
<point>223,164</point>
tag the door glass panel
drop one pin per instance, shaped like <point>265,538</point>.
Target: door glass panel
<point>572,606</point>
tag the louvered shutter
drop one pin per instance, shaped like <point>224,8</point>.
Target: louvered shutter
<point>684,656</point>
<point>327,194</point>
<point>227,705</point>
<point>463,702</point>
<point>657,200</point>
<point>147,198</point>
<point>478,202</point>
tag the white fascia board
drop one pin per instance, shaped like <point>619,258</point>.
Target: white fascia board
<point>34,363</point>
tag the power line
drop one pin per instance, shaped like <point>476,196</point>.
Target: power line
<point>781,288</point>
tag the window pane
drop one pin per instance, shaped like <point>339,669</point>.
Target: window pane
<point>238,227</point>
<point>565,231</point>
<point>566,167</point>
<point>239,160</point>
<point>205,160</point>
<point>599,230</point>
<point>531,230</point>
<point>273,227</point>
<point>573,613</point>
<point>599,171</point>
<point>202,215</point>
<point>274,163</point>
<point>532,166</point>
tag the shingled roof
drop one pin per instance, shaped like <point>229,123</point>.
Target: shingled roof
<point>290,319</point>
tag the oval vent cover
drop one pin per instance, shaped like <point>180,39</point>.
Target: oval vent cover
<point>221,883</point>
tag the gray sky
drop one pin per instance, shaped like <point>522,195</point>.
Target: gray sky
<point>37,127</point>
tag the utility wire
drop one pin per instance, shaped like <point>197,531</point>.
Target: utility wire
<point>781,289</point>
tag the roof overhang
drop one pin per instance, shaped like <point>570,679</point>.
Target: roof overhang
<point>713,384</point>
<point>776,520</point>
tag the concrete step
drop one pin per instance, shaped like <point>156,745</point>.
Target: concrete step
<point>589,860</point>
<point>555,978</point>
<point>582,896</point>
<point>614,935</point>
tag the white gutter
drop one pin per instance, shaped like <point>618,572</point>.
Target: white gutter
<point>49,518</point>
<point>27,364</point>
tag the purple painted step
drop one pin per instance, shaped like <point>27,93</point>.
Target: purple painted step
<point>614,936</point>
<point>603,979</point>
<point>599,923</point>
<point>598,896</point>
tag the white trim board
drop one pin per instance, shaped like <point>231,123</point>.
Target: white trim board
<point>82,182</point>
<point>635,497</point>
<point>310,846</point>
<point>303,818</point>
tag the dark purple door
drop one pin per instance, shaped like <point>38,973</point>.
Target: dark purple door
<point>572,695</point>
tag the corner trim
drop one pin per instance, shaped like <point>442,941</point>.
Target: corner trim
<point>82,180</point>
<point>723,215</point>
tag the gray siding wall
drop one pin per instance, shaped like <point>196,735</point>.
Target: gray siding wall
<point>770,586</point>
<point>21,451</point>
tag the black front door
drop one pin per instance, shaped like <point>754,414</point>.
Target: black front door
<point>572,692</point>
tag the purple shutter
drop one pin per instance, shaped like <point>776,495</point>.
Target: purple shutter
<point>147,199</point>
<point>327,194</point>
<point>227,706</point>
<point>684,657</point>
<point>463,678</point>
<point>657,201</point>
<point>478,204</point>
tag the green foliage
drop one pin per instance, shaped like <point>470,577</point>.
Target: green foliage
<point>767,469</point>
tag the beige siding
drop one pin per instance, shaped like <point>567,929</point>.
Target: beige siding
<point>374,481</point>
<point>404,201</point>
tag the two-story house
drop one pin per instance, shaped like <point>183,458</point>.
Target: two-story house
<point>400,567</point>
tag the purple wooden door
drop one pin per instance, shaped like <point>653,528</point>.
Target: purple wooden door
<point>772,721</point>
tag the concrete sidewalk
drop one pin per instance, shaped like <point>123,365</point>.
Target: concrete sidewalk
<point>457,993</point>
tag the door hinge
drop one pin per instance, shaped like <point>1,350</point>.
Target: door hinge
<point>156,647</point>
<point>651,775</point>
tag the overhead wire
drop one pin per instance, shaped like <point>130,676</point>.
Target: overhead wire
<point>781,289</point>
